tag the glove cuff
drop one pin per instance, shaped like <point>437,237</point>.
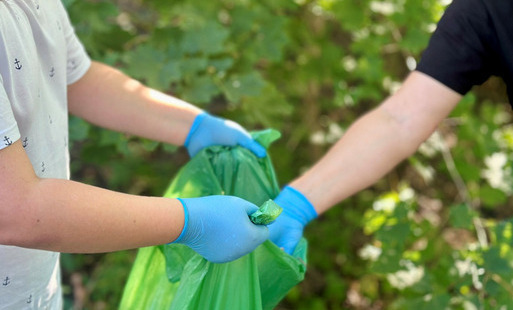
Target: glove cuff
<point>194,127</point>
<point>298,206</point>
<point>185,222</point>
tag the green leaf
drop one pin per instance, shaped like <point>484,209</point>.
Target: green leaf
<point>208,39</point>
<point>109,137</point>
<point>191,66</point>
<point>351,15</point>
<point>494,262</point>
<point>462,216</point>
<point>394,234</point>
<point>468,170</point>
<point>427,302</point>
<point>149,145</point>
<point>170,72</point>
<point>388,261</point>
<point>200,90</point>
<point>240,85</point>
<point>78,129</point>
<point>415,39</point>
<point>221,64</point>
<point>144,63</point>
<point>491,196</point>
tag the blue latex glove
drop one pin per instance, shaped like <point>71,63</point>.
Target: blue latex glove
<point>207,130</point>
<point>287,230</point>
<point>218,227</point>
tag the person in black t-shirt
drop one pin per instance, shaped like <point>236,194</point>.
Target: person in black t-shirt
<point>473,41</point>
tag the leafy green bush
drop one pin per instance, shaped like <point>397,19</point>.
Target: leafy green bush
<point>434,233</point>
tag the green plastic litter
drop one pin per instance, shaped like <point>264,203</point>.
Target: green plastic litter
<point>266,214</point>
<point>175,277</point>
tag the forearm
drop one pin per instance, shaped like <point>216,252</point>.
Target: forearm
<point>67,216</point>
<point>110,99</point>
<point>368,150</point>
<point>378,141</point>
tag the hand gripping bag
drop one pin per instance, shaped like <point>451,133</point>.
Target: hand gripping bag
<point>175,277</point>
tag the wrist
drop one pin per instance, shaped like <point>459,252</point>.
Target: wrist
<point>296,205</point>
<point>181,237</point>
<point>194,127</point>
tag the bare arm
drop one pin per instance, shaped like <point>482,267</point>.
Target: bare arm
<point>67,216</point>
<point>108,98</point>
<point>378,141</point>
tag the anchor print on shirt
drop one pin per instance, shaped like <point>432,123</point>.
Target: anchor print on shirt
<point>6,281</point>
<point>17,64</point>
<point>7,140</point>
<point>50,119</point>
<point>29,299</point>
<point>72,65</point>
<point>52,72</point>
<point>43,168</point>
<point>25,142</point>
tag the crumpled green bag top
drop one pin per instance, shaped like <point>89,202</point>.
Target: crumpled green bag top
<point>266,214</point>
<point>175,277</point>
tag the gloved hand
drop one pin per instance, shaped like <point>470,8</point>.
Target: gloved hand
<point>218,227</point>
<point>207,130</point>
<point>287,230</point>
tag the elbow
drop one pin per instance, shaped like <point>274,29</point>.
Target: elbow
<point>410,131</point>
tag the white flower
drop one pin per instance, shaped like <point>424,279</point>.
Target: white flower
<point>426,172</point>
<point>349,63</point>
<point>467,305</point>
<point>384,204</point>
<point>469,267</point>
<point>411,63</point>
<point>432,145</point>
<point>385,8</point>
<point>496,160</point>
<point>497,174</point>
<point>334,133</point>
<point>317,138</point>
<point>370,252</point>
<point>406,194</point>
<point>406,278</point>
<point>463,267</point>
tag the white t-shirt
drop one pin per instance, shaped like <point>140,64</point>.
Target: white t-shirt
<point>39,56</point>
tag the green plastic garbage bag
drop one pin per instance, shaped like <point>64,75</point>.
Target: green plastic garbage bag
<point>175,277</point>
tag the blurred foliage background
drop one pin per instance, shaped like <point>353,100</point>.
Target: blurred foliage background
<point>434,233</point>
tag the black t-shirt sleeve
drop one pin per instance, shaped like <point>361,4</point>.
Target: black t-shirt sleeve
<point>459,54</point>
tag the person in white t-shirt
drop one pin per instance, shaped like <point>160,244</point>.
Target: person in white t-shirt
<point>44,74</point>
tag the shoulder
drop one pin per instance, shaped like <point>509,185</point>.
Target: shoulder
<point>477,15</point>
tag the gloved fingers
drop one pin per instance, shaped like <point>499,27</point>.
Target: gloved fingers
<point>253,146</point>
<point>289,247</point>
<point>285,232</point>
<point>244,139</point>
<point>287,243</point>
<point>258,234</point>
<point>249,207</point>
<point>261,233</point>
<point>234,126</point>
